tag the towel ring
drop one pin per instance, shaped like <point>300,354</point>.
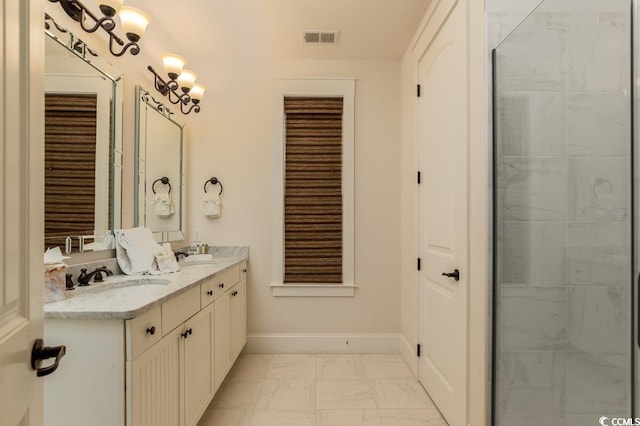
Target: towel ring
<point>213,181</point>
<point>164,180</point>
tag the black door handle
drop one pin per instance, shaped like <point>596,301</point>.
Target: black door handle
<point>455,274</point>
<point>40,352</point>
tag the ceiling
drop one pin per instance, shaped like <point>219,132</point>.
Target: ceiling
<point>369,29</point>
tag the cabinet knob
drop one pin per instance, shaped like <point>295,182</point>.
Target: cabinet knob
<point>190,331</point>
<point>221,285</point>
<point>151,330</point>
<point>244,270</point>
<point>185,334</point>
<point>235,293</point>
<point>210,293</point>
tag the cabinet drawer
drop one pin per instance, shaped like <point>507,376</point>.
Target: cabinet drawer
<point>179,309</point>
<point>209,290</point>
<point>144,331</point>
<point>243,269</point>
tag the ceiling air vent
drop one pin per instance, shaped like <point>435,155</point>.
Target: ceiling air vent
<point>321,37</point>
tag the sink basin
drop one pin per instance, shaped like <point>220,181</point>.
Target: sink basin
<point>128,284</point>
<point>201,259</point>
<point>128,291</point>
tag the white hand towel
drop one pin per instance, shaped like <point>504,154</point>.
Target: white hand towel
<point>211,205</point>
<point>163,204</point>
<point>136,251</point>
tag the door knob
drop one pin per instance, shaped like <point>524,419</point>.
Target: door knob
<point>455,274</point>
<point>40,352</point>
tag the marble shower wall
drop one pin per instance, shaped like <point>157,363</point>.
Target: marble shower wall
<point>563,216</point>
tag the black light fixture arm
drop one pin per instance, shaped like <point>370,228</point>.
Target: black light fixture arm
<point>79,13</point>
<point>169,89</point>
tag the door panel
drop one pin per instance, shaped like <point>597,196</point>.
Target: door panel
<point>443,217</point>
<point>21,220</point>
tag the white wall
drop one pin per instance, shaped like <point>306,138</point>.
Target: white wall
<point>232,139</point>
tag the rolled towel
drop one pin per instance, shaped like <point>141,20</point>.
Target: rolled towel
<point>163,204</point>
<point>211,205</point>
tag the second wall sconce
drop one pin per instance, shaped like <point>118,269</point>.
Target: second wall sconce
<point>179,80</point>
<point>134,22</point>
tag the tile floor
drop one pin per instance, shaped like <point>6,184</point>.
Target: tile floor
<point>321,390</point>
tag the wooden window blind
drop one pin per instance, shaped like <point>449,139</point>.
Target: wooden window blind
<point>70,160</point>
<point>313,190</point>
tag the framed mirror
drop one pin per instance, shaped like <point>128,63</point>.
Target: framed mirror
<point>159,201</point>
<point>83,144</point>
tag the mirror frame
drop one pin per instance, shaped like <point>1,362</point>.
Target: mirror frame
<point>145,99</point>
<point>76,46</point>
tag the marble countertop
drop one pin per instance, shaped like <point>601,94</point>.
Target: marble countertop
<point>128,296</point>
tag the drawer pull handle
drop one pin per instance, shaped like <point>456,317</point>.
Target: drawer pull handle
<point>221,285</point>
<point>210,293</point>
<point>187,333</point>
<point>151,330</point>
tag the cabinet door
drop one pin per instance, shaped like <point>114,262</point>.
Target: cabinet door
<point>238,318</point>
<point>198,387</point>
<point>222,337</point>
<point>155,384</point>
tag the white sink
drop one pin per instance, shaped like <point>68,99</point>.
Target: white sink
<point>201,259</point>
<point>128,283</point>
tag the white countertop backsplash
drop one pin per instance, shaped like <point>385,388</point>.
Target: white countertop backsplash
<point>133,296</point>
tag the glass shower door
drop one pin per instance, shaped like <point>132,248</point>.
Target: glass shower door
<point>563,279</point>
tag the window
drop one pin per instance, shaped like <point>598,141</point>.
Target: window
<point>313,202</point>
<point>313,190</point>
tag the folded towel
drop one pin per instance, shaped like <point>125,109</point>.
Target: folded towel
<point>211,205</point>
<point>163,204</point>
<point>136,251</point>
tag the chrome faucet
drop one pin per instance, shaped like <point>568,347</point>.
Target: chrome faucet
<point>84,278</point>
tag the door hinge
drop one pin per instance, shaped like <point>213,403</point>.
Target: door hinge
<point>419,178</point>
<point>418,349</point>
<point>418,90</point>
<point>419,264</point>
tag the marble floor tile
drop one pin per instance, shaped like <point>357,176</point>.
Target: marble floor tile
<point>413,417</point>
<point>287,394</point>
<point>322,390</point>
<point>225,417</point>
<point>292,367</point>
<point>337,367</point>
<point>240,395</point>
<point>368,417</point>
<point>283,418</point>
<point>344,394</point>
<point>379,367</point>
<point>250,368</point>
<point>400,394</point>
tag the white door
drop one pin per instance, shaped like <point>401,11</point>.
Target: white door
<point>443,217</point>
<point>21,205</point>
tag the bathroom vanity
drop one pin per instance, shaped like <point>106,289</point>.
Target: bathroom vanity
<point>146,350</point>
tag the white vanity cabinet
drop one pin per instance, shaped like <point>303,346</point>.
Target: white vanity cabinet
<point>173,376</point>
<point>230,330</point>
<point>161,368</point>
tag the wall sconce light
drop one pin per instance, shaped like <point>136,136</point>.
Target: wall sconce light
<point>179,80</point>
<point>134,22</point>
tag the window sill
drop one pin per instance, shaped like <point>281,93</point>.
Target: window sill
<point>313,290</point>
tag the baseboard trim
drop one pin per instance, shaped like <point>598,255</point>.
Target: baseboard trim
<point>408,352</point>
<point>332,343</point>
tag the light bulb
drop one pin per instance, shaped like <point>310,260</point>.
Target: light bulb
<point>197,92</point>
<point>134,22</point>
<point>173,65</point>
<point>186,80</point>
